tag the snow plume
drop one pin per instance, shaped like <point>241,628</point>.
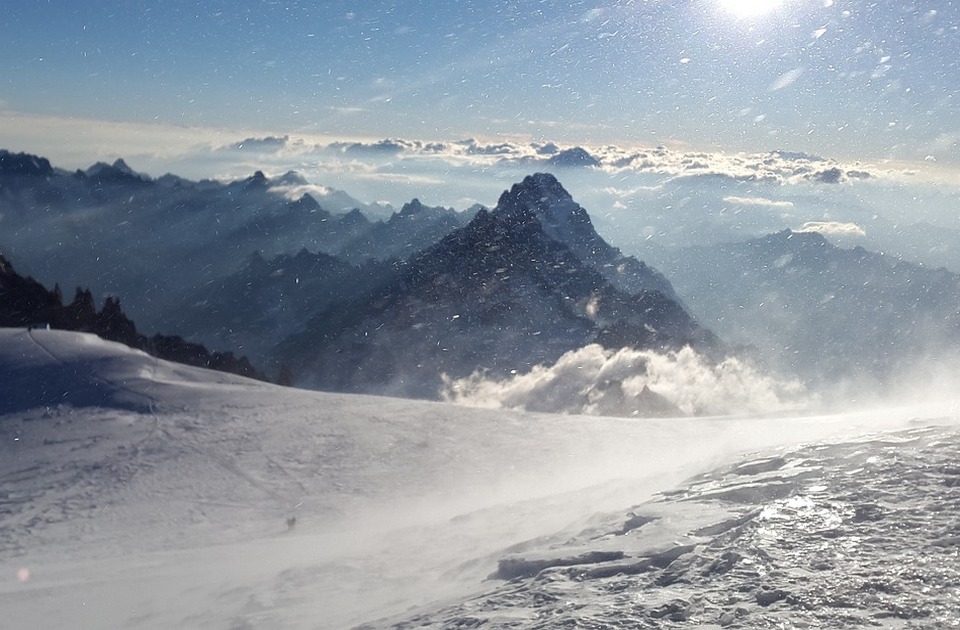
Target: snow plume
<point>628,382</point>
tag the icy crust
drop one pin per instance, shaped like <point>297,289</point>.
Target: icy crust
<point>854,535</point>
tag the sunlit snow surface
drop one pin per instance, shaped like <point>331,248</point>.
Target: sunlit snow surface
<point>142,494</point>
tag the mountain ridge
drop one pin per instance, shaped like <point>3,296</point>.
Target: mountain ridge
<point>566,221</point>
<point>819,311</point>
<point>498,293</point>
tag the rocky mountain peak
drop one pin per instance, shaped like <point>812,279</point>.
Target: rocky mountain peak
<point>307,203</point>
<point>290,178</point>
<point>543,197</point>
<point>540,191</point>
<point>355,217</point>
<point>257,180</point>
<point>412,207</point>
<point>119,172</point>
<point>573,157</point>
<point>23,164</point>
<point>120,165</point>
<point>499,294</point>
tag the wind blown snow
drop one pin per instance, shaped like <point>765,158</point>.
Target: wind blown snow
<point>596,381</point>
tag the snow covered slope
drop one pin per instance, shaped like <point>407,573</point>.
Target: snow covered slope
<point>854,535</point>
<point>139,493</point>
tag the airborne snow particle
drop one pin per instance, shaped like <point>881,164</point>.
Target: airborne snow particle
<point>23,575</point>
<point>786,79</point>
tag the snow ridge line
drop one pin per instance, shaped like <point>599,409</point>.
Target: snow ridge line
<point>151,401</point>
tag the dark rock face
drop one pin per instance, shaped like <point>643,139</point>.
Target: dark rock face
<point>566,221</point>
<point>267,300</point>
<point>500,294</point>
<point>24,164</point>
<point>117,173</point>
<point>26,303</point>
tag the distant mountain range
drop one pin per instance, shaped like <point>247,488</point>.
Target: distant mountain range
<point>822,312</point>
<point>342,302</point>
<point>337,300</point>
<point>147,239</point>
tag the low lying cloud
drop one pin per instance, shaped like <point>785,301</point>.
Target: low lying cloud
<point>384,147</point>
<point>832,227</point>
<point>758,202</point>
<point>777,167</point>
<point>205,153</point>
<point>627,382</point>
<point>267,143</point>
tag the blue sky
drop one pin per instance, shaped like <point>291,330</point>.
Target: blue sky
<point>772,114</point>
<point>851,79</point>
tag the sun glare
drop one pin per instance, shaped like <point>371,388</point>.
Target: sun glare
<point>750,8</point>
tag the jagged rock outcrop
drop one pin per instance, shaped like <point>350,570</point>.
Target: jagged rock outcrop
<point>24,164</point>
<point>26,303</point>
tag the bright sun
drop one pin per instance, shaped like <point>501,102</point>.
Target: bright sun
<point>750,8</point>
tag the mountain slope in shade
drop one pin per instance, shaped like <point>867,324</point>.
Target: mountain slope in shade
<point>153,239</point>
<point>566,221</point>
<point>822,312</point>
<point>254,309</point>
<point>415,227</point>
<point>499,294</point>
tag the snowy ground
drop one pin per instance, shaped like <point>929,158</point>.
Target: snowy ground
<point>137,493</point>
<point>852,535</point>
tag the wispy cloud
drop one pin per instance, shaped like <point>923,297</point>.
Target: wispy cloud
<point>268,143</point>
<point>759,202</point>
<point>837,228</point>
<point>348,110</point>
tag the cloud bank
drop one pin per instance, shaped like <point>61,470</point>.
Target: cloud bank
<point>780,167</point>
<point>838,228</point>
<point>640,198</point>
<point>627,382</point>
